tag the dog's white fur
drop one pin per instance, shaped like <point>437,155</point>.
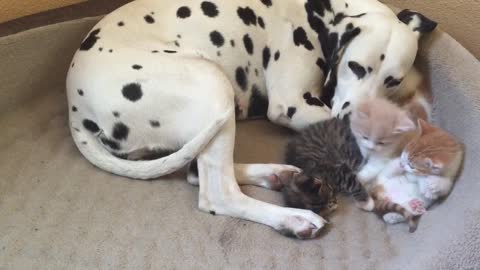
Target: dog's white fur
<point>192,92</point>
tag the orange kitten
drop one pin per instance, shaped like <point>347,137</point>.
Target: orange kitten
<point>423,173</point>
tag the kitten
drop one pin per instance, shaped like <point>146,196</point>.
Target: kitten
<point>424,172</point>
<point>303,191</point>
<point>327,151</point>
<point>378,126</point>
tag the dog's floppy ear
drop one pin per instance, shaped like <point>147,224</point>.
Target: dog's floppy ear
<point>416,21</point>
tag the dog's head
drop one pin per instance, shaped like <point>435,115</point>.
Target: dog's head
<point>375,62</point>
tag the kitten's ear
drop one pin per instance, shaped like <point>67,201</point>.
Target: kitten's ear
<point>423,126</point>
<point>404,124</point>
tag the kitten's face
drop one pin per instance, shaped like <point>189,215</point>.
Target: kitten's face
<point>378,125</point>
<point>303,191</point>
<point>430,152</point>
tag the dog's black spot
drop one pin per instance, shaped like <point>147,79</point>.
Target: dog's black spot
<point>256,72</point>
<point>247,15</point>
<point>219,54</point>
<point>390,82</point>
<point>266,57</point>
<point>261,22</point>
<point>370,69</point>
<point>291,112</point>
<point>176,43</point>
<point>209,9</point>
<point>357,69</point>
<point>132,92</point>
<point>110,143</point>
<point>241,78</point>
<point>84,143</point>
<point>322,65</point>
<point>184,12</point>
<point>110,51</point>
<point>232,42</point>
<point>212,213</point>
<point>382,57</point>
<point>154,123</point>
<point>100,49</point>
<point>258,103</point>
<point>74,109</point>
<point>345,105</point>
<point>116,114</point>
<point>267,3</point>
<point>312,101</point>
<point>149,19</point>
<point>121,24</point>
<point>90,126</point>
<point>137,67</point>
<point>338,18</point>
<point>120,131</point>
<point>155,51</point>
<point>90,41</point>
<point>217,38</point>
<point>300,38</point>
<point>349,35</point>
<point>346,5</point>
<point>247,69</point>
<point>73,64</point>
<point>318,6</point>
<point>76,129</point>
<point>276,56</point>
<point>247,41</point>
<point>169,51</point>
<point>80,92</point>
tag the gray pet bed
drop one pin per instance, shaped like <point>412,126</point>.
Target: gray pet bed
<point>57,211</point>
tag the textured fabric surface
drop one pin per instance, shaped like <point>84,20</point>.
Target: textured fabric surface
<point>57,211</point>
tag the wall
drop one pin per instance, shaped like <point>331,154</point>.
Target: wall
<point>460,18</point>
<point>11,9</point>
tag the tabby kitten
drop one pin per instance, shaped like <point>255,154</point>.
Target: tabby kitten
<point>329,156</point>
<point>424,172</point>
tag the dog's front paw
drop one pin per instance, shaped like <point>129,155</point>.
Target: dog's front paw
<point>280,175</point>
<point>302,224</point>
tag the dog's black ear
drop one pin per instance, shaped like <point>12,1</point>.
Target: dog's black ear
<point>416,21</point>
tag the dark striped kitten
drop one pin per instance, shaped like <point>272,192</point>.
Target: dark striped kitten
<point>329,156</point>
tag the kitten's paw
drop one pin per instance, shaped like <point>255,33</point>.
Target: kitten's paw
<point>367,205</point>
<point>418,207</point>
<point>393,218</point>
<point>302,224</point>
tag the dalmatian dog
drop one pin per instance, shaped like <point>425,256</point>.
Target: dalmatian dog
<point>171,77</point>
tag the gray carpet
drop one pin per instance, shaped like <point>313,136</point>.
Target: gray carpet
<point>59,212</point>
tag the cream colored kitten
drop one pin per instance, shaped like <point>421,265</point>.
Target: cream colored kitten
<point>378,126</point>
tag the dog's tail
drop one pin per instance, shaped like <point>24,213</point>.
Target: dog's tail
<point>90,146</point>
<point>383,207</point>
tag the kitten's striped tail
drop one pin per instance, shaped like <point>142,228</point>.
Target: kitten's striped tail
<point>383,207</point>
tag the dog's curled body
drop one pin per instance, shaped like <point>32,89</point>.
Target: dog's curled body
<point>169,75</point>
